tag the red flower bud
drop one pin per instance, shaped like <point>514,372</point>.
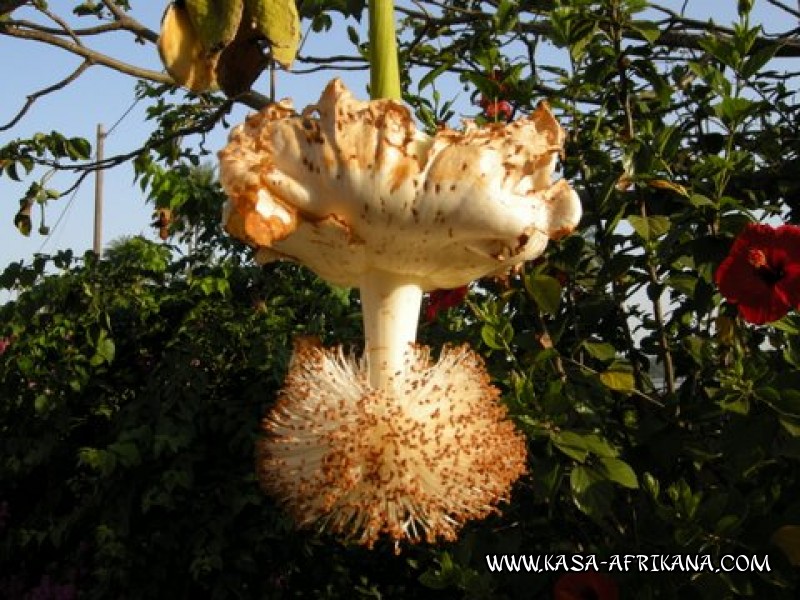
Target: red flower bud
<point>442,300</point>
<point>497,110</point>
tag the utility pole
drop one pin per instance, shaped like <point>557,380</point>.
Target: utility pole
<point>98,193</point>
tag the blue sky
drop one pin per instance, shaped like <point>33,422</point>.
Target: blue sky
<point>103,96</point>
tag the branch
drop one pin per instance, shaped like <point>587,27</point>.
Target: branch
<point>203,126</point>
<point>129,23</point>
<point>788,9</point>
<point>789,47</point>
<point>54,37</point>
<point>80,32</point>
<point>43,92</point>
<point>12,29</point>
<point>63,24</point>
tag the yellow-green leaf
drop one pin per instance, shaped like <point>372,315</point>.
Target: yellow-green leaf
<point>279,22</point>
<point>617,380</point>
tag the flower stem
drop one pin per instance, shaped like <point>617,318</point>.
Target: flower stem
<point>390,304</point>
<point>384,69</point>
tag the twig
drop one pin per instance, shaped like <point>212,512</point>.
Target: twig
<point>32,98</point>
<point>92,56</point>
<point>202,126</point>
<point>782,6</point>
<point>62,23</point>
<point>129,23</point>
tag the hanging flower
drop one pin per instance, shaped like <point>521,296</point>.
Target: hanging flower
<point>440,300</point>
<point>585,586</point>
<point>761,273</point>
<point>394,443</point>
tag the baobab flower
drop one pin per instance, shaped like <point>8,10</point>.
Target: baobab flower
<point>393,443</point>
<point>761,274</point>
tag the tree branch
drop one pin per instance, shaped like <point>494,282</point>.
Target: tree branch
<point>130,23</point>
<point>43,92</point>
<point>204,125</point>
<point>80,32</point>
<point>12,29</point>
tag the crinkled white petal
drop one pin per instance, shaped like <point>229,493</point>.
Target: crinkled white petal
<point>356,187</point>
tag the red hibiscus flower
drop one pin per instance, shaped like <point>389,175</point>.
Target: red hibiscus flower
<point>495,107</point>
<point>585,586</point>
<point>497,110</point>
<point>761,273</point>
<point>444,299</point>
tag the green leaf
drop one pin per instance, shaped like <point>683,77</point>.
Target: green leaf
<point>599,446</point>
<point>649,227</point>
<point>104,350</point>
<point>497,336</point>
<point>649,30</point>
<point>757,60</point>
<point>600,350</point>
<point>580,479</point>
<point>127,452</point>
<point>618,471</point>
<point>791,426</point>
<point>618,380</point>
<point>506,16</point>
<point>731,111</point>
<point>545,291</point>
<point>571,444</point>
<point>432,75</point>
<point>42,404</point>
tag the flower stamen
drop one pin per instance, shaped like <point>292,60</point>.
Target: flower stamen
<point>757,258</point>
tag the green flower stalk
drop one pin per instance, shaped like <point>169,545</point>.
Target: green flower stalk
<point>384,68</point>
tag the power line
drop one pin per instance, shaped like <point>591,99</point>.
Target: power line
<point>125,114</point>
<point>60,218</point>
<point>71,200</point>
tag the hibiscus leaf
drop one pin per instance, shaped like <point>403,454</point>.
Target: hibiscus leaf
<point>791,426</point>
<point>618,379</point>
<point>546,291</point>
<point>572,444</point>
<point>618,471</point>
<point>600,350</point>
<point>734,110</point>
<point>758,59</point>
<point>641,226</point>
<point>649,227</point>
